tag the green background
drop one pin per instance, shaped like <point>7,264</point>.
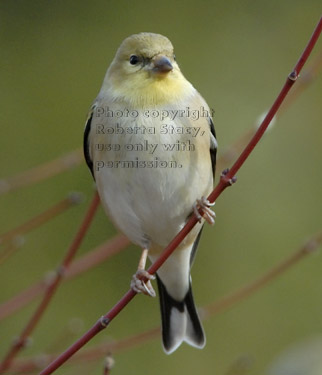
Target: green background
<point>54,55</point>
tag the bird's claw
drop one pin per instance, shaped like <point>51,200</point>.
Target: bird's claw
<point>228,181</point>
<point>139,286</point>
<point>204,205</point>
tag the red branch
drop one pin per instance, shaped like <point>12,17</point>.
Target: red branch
<point>42,172</point>
<point>224,182</point>
<point>89,260</point>
<point>52,287</point>
<point>210,310</point>
<point>35,222</point>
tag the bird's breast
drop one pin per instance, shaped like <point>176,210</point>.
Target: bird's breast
<point>150,172</point>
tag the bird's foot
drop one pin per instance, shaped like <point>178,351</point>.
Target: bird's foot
<point>204,205</point>
<point>139,286</point>
<point>228,181</point>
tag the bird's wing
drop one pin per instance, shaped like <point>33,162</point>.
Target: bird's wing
<point>213,146</point>
<point>86,143</point>
<point>197,103</point>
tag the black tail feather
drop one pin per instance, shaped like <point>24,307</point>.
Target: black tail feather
<point>191,330</point>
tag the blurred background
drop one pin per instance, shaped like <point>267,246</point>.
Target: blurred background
<point>54,55</point>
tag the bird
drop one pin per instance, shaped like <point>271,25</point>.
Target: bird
<point>150,144</point>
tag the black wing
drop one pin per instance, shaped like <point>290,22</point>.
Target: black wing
<point>86,145</point>
<point>213,148</point>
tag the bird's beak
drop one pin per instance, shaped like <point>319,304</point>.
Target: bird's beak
<point>161,64</point>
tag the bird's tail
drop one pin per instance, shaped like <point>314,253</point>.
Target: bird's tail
<point>180,321</point>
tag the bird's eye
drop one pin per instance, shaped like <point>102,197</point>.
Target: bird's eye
<point>134,60</point>
<point>174,57</point>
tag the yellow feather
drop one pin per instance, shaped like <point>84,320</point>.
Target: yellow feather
<point>141,92</point>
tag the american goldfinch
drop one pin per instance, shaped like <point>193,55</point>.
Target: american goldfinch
<point>150,144</point>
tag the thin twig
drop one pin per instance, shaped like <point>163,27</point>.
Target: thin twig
<point>306,78</point>
<point>207,311</point>
<point>242,293</point>
<point>230,153</point>
<point>42,172</point>
<point>225,181</point>
<point>11,248</point>
<point>97,256</point>
<point>109,363</point>
<point>72,329</point>
<point>52,287</point>
<point>77,267</point>
<point>20,300</point>
<point>8,238</point>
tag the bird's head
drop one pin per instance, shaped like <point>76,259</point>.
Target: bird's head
<point>144,72</point>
